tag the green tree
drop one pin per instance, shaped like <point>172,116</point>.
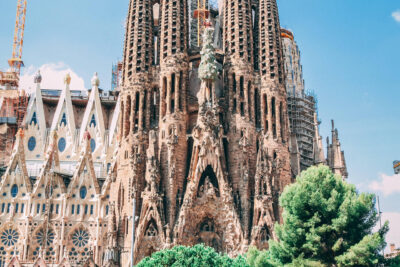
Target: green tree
<point>326,222</point>
<point>196,256</point>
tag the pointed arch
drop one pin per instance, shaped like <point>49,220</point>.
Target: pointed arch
<point>93,114</point>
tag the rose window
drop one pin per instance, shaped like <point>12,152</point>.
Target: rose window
<point>9,237</point>
<point>80,238</point>
<point>40,237</point>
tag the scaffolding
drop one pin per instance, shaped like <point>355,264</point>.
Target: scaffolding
<point>116,76</point>
<point>301,109</point>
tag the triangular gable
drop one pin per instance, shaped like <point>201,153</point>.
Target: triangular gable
<point>65,106</point>
<point>40,263</point>
<point>51,162</point>
<point>93,108</point>
<point>14,262</point>
<point>35,108</point>
<point>18,159</point>
<point>85,160</point>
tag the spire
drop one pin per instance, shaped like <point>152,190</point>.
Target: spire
<point>139,43</point>
<point>35,107</point>
<point>93,110</point>
<point>64,106</point>
<point>317,143</point>
<point>270,46</point>
<point>336,160</point>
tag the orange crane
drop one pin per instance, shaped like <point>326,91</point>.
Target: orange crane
<point>11,77</point>
<point>202,14</point>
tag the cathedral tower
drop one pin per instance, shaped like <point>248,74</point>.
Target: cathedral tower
<point>273,161</point>
<point>174,67</point>
<point>136,98</point>
<point>240,92</point>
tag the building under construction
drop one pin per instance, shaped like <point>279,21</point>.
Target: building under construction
<point>13,102</point>
<point>303,115</point>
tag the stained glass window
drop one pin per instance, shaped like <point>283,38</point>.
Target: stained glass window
<point>83,192</point>
<point>62,144</point>
<point>63,120</point>
<point>34,120</point>
<point>92,144</point>
<point>14,190</point>
<point>80,238</point>
<point>93,121</point>
<point>9,237</point>
<point>40,237</point>
<point>31,143</point>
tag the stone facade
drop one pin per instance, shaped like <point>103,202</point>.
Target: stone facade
<point>194,147</point>
<point>54,209</point>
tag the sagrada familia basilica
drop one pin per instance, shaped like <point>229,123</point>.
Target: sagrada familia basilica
<point>207,128</point>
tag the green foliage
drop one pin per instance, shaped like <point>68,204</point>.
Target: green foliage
<point>258,258</point>
<point>196,256</point>
<point>394,262</point>
<point>326,222</point>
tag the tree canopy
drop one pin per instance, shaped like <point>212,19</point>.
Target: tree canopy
<point>326,222</point>
<point>196,256</point>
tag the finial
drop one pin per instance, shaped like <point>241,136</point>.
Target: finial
<point>67,79</point>
<point>38,77</point>
<point>95,80</point>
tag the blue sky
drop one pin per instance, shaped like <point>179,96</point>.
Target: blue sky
<point>350,56</point>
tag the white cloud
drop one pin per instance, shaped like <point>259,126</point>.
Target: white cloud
<point>393,236</point>
<point>386,184</point>
<point>396,15</point>
<point>52,77</point>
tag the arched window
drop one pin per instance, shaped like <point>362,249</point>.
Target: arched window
<point>31,143</point>
<point>92,121</point>
<point>83,192</point>
<point>63,120</point>
<point>62,144</point>
<point>34,119</point>
<point>14,190</point>
<point>92,145</point>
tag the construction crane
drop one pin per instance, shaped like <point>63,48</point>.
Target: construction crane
<point>11,77</point>
<point>202,14</point>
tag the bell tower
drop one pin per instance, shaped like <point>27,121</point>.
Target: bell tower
<point>240,91</point>
<point>174,67</point>
<point>134,121</point>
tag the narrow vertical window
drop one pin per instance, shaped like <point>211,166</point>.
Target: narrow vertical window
<point>72,209</point>
<point>22,207</point>
<point>107,209</point>
<point>78,209</point>
<point>51,208</point>
<point>3,206</point>
<point>91,209</point>
<point>43,207</point>
<point>86,209</point>
<point>57,207</point>
<point>16,207</point>
<point>8,207</point>
<point>37,208</point>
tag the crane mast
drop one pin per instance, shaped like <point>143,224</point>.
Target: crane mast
<point>11,77</point>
